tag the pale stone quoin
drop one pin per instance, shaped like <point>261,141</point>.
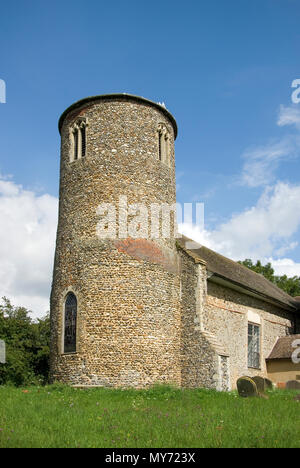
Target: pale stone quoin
<point>131,310</point>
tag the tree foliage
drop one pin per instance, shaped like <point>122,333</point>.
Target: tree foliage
<point>27,346</point>
<point>290,285</point>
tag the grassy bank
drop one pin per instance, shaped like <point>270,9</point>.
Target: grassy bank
<point>59,416</point>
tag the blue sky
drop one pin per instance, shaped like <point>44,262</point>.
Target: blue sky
<point>224,69</point>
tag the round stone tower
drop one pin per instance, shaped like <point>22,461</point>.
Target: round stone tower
<point>115,314</point>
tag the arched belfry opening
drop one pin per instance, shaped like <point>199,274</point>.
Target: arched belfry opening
<point>78,139</point>
<point>163,144</point>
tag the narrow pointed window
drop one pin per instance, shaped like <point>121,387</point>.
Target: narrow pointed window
<point>75,135</point>
<point>163,144</point>
<point>83,140</point>
<point>159,146</point>
<point>79,141</point>
<point>70,323</point>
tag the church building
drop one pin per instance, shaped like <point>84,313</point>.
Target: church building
<point>131,306</point>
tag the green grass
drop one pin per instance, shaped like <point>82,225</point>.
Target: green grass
<point>162,417</point>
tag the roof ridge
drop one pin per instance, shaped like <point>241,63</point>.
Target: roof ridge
<point>235,272</point>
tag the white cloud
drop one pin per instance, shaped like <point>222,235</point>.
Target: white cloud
<point>285,266</point>
<point>289,116</point>
<point>257,232</point>
<point>27,242</point>
<point>262,162</point>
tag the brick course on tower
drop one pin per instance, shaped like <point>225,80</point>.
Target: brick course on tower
<point>149,310</point>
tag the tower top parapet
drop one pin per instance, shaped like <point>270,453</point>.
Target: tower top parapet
<point>117,97</point>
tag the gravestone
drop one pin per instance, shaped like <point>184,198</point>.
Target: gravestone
<point>2,352</point>
<point>246,387</point>
<point>268,384</point>
<point>260,383</point>
<point>293,385</point>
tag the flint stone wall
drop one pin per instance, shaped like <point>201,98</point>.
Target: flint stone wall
<point>227,313</point>
<point>199,361</point>
<point>128,327</point>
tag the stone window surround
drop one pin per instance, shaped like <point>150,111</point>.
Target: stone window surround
<point>79,124</point>
<point>164,144</point>
<point>62,308</point>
